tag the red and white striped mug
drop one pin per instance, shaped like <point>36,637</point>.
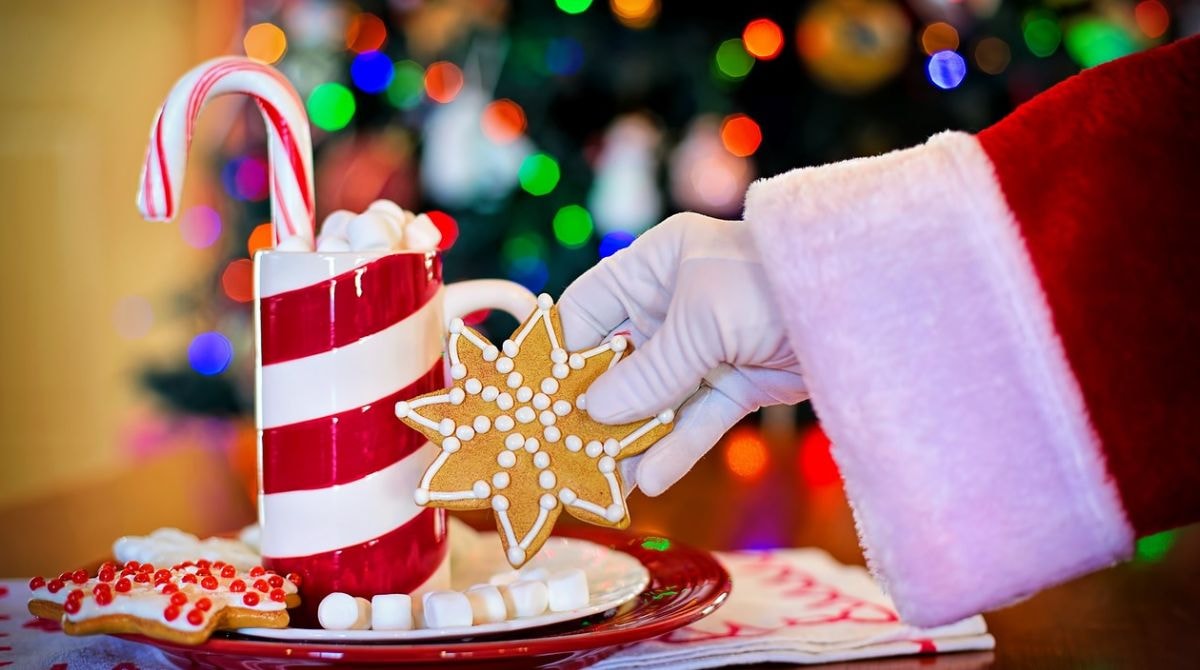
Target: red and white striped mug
<point>341,337</point>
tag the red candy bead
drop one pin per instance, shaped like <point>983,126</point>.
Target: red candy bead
<point>275,581</point>
<point>277,595</point>
<point>218,564</point>
<point>79,576</point>
<point>146,567</point>
<point>209,582</point>
<point>186,564</point>
<point>142,578</point>
<point>178,599</point>
<point>188,578</point>
<point>71,606</point>
<point>228,572</point>
<point>37,583</point>
<point>204,604</point>
<point>204,563</point>
<point>294,578</point>
<point>102,588</point>
<point>171,613</point>
<point>237,586</point>
<point>106,574</point>
<point>251,599</point>
<point>195,617</point>
<point>55,585</point>
<point>77,594</point>
<point>257,571</point>
<point>64,576</point>
<point>261,585</point>
<point>169,588</point>
<point>122,585</point>
<point>104,598</point>
<point>107,565</point>
<point>162,574</point>
<point>132,565</point>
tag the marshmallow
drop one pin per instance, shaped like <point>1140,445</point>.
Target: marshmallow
<point>393,611</point>
<point>567,590</point>
<point>525,598</point>
<point>422,235</point>
<point>504,578</point>
<point>447,609</point>
<point>371,231</point>
<point>392,211</point>
<point>331,245</point>
<point>342,611</point>
<point>487,604</point>
<point>333,231</point>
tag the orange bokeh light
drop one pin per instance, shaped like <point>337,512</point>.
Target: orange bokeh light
<point>265,42</point>
<point>1152,18</point>
<point>814,459</point>
<point>262,237</point>
<point>763,39</point>
<point>740,135</point>
<point>635,13</point>
<point>238,280</point>
<point>365,32</point>
<point>746,453</point>
<point>443,81</point>
<point>940,36</point>
<point>503,121</point>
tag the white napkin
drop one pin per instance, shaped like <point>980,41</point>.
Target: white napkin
<point>797,606</point>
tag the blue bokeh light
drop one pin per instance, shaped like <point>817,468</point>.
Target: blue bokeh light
<point>946,69</point>
<point>210,353</point>
<point>531,273</point>
<point>372,71</point>
<point>614,242</point>
<point>564,56</point>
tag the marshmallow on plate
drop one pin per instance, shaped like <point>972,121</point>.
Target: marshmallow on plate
<point>487,604</point>
<point>567,590</point>
<point>342,611</point>
<point>525,598</point>
<point>392,611</point>
<point>447,609</point>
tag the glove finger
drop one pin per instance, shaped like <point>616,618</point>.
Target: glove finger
<point>628,469</point>
<point>660,374</point>
<point>699,425</point>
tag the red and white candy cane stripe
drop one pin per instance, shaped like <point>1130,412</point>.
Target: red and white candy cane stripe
<point>288,141</point>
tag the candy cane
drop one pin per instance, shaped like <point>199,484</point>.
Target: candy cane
<point>288,140</point>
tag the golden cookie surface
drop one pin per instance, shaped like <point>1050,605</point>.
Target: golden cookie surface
<point>516,438</point>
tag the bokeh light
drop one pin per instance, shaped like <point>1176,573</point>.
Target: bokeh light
<point>331,106</point>
<point>740,135</point>
<point>200,226</point>
<point>635,13</point>
<point>615,241</point>
<point>939,36</point>
<point>763,39</point>
<point>447,226</point>
<point>523,255</point>
<point>237,280</point>
<point>532,276</point>
<point>503,121</point>
<point>1152,18</point>
<point>992,55</point>
<point>443,81</point>
<point>946,69</point>
<point>814,459</point>
<point>538,174</point>
<point>564,56</point>
<point>573,6</point>
<point>573,226</point>
<point>371,71</point>
<point>1041,33</point>
<point>746,453</point>
<point>210,353</point>
<point>1091,41</point>
<point>245,178</point>
<point>365,32</point>
<point>408,85</point>
<point>732,60</point>
<point>265,42</point>
<point>133,317</point>
<point>262,237</point>
<point>1152,548</point>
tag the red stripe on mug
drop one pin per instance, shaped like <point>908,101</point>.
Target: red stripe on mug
<point>396,562</point>
<point>367,300</point>
<point>344,447</point>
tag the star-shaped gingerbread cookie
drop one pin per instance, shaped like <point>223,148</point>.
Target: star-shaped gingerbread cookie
<point>516,437</point>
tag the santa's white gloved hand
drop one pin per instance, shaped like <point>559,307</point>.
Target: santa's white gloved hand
<point>694,295</point>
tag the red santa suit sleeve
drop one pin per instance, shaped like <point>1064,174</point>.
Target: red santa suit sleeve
<point>1001,333</point>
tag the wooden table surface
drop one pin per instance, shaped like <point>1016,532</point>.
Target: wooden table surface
<point>1142,614</point>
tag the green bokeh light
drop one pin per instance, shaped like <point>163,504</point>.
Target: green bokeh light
<point>656,544</point>
<point>573,6</point>
<point>331,106</point>
<point>523,251</point>
<point>1153,547</point>
<point>572,226</point>
<point>732,59</point>
<point>538,174</point>
<point>1092,41</point>
<point>1041,31</point>
<point>408,85</point>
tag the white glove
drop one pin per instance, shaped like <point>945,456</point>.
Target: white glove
<point>694,295</point>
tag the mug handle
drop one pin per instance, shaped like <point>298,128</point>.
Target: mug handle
<point>472,295</point>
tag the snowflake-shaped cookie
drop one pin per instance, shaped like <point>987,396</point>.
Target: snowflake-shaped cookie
<point>516,436</point>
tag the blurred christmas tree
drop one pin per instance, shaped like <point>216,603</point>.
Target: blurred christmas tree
<point>551,133</point>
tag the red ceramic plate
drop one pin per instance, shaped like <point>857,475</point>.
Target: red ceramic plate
<point>686,584</point>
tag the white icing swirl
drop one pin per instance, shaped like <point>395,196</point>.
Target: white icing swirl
<point>169,546</point>
<point>383,226</point>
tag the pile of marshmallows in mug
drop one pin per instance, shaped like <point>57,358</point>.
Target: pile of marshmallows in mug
<point>508,595</point>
